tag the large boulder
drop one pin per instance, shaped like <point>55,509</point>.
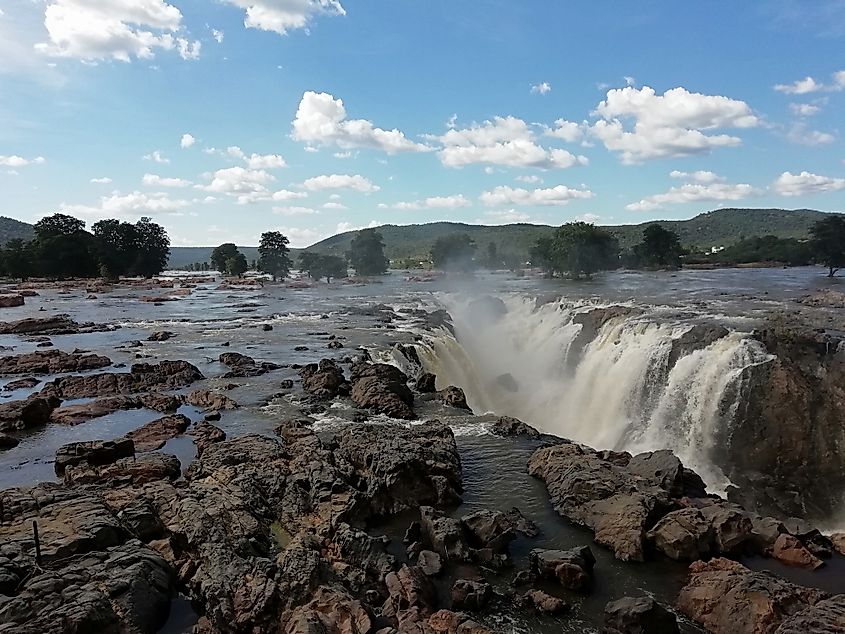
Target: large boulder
<point>51,362</point>
<point>453,397</point>
<point>94,452</point>
<point>208,399</point>
<point>155,434</point>
<point>240,365</point>
<point>825,617</point>
<point>32,412</point>
<point>142,377</point>
<point>573,569</point>
<point>383,389</point>
<point>11,301</point>
<point>54,325</point>
<point>83,412</point>
<point>725,596</point>
<point>324,379</point>
<point>148,467</point>
<point>638,615</point>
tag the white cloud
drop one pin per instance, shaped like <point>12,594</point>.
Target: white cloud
<point>335,206</point>
<point>588,218</point>
<point>802,135</point>
<point>436,202</point>
<point>708,190</point>
<point>343,227</point>
<point>154,180</point>
<point>503,141</point>
<point>809,85</point>
<point>700,176</point>
<point>542,88</point>
<point>217,35</point>
<point>295,211</point>
<point>93,30</point>
<point>128,206</point>
<point>504,217</point>
<point>569,131</point>
<point>301,237</point>
<point>19,161</point>
<point>321,119</point>
<point>342,155</point>
<point>281,16</point>
<point>804,109</point>
<point>672,124</point>
<point>789,184</point>
<point>105,180</point>
<point>264,161</point>
<point>530,179</point>
<point>286,194</point>
<point>559,195</point>
<point>341,181</point>
<point>157,157</point>
<point>187,141</point>
<point>247,185</point>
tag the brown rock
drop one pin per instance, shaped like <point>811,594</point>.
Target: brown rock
<point>471,595</point>
<point>32,412</point>
<point>544,602</point>
<point>148,467</point>
<point>142,377</point>
<point>825,617</point>
<point>206,434</point>
<point>155,434</point>
<point>789,550</point>
<point>8,442</point>
<point>641,615</point>
<point>207,399</point>
<point>510,427</point>
<point>11,301</point>
<point>94,452</point>
<point>454,397</point>
<point>51,362</point>
<point>573,569</point>
<point>838,540</point>
<point>324,380</point>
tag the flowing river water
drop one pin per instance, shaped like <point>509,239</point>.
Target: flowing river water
<point>614,391</point>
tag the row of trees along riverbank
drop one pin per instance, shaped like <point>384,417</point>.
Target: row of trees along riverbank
<point>63,248</point>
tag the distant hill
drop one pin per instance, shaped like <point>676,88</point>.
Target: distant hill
<point>181,257</point>
<point>11,229</point>
<point>722,227</point>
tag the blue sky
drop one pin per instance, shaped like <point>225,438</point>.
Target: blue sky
<point>225,118</point>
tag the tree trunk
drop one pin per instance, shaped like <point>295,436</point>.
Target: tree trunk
<point>833,270</point>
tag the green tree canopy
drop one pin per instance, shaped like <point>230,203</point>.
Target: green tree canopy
<point>17,259</point>
<point>366,253</point>
<point>660,247</point>
<point>152,248</point>
<point>237,264</point>
<point>319,266</point>
<point>453,252</point>
<point>577,249</point>
<point>274,255</point>
<point>62,247</point>
<point>221,254</point>
<point>828,242</point>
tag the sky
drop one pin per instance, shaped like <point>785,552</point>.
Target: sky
<point>221,119</point>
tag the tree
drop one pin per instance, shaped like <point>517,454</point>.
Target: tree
<point>453,252</point>
<point>319,266</point>
<point>493,259</point>
<point>153,248</point>
<point>117,247</point>
<point>366,253</point>
<point>62,247</point>
<point>220,255</point>
<point>659,247</point>
<point>541,255</point>
<point>274,255</point>
<point>577,249</point>
<point>828,242</point>
<point>237,264</point>
<point>17,259</point>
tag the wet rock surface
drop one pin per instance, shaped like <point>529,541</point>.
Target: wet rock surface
<point>638,615</point>
<point>51,362</point>
<point>382,389</point>
<point>142,377</point>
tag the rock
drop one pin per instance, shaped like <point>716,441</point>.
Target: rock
<point>324,380</point>
<point>789,550</point>
<point>142,377</point>
<point>21,384</point>
<point>286,384</point>
<point>94,452</point>
<point>161,335</point>
<point>382,388</point>
<point>661,468</point>
<point>51,362</point>
<point>243,366</point>
<point>445,534</point>
<point>573,569</point>
<point>825,617</point>
<point>489,529</point>
<point>334,345</point>
<point>11,301</point>
<point>205,434</point>
<point>599,494</point>
<point>207,399</point>
<point>471,595</point>
<point>522,524</point>
<point>838,540</point>
<point>32,412</point>
<point>486,310</point>
<point>507,382</point>
<point>638,615</point>
<point>330,611</point>
<point>155,434</point>
<point>356,547</point>
<point>430,563</point>
<point>55,325</point>
<point>426,383</point>
<point>725,596</point>
<point>266,327</point>
<point>448,622</point>
<point>148,467</point>
<point>454,397</point>
<point>544,602</point>
<point>71,415</point>
<point>509,427</point>
<point>8,442</point>
<point>409,588</point>
<point>683,535</point>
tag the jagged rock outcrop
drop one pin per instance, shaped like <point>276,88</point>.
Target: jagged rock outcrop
<point>454,397</point>
<point>142,377</point>
<point>240,365</point>
<point>83,412</point>
<point>94,452</point>
<point>155,434</point>
<point>210,400</point>
<point>55,325</point>
<point>51,362</point>
<point>383,389</point>
<point>638,615</point>
<point>324,379</point>
<point>573,569</point>
<point>32,412</point>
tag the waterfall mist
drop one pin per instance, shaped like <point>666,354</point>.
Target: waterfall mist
<point>609,377</point>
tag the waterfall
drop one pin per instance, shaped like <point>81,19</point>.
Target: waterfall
<point>633,384</point>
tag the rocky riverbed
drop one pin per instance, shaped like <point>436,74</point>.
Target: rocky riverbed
<point>219,463</point>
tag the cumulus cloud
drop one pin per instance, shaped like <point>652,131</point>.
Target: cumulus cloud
<point>504,217</point>
<point>335,206</point>
<point>789,184</point>
<point>264,161</point>
<point>810,85</point>
<point>560,195</point>
<point>505,141</point>
<point>129,206</point>
<point>95,30</point>
<point>676,123</point>
<point>18,161</point>
<point>217,35</point>
<point>588,218</point>
<point>341,181</point>
<point>154,180</point>
<point>531,179</point>
<point>802,135</point>
<point>247,185</point>
<point>281,16</point>
<point>187,141</point>
<point>542,88</point>
<point>321,119</point>
<point>105,180</point>
<point>704,187</point>
<point>343,227</point>
<point>157,157</point>
<point>295,211</point>
<point>804,109</point>
<point>436,202</point>
<point>569,131</point>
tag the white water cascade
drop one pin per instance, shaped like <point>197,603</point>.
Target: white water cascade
<point>617,391</point>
